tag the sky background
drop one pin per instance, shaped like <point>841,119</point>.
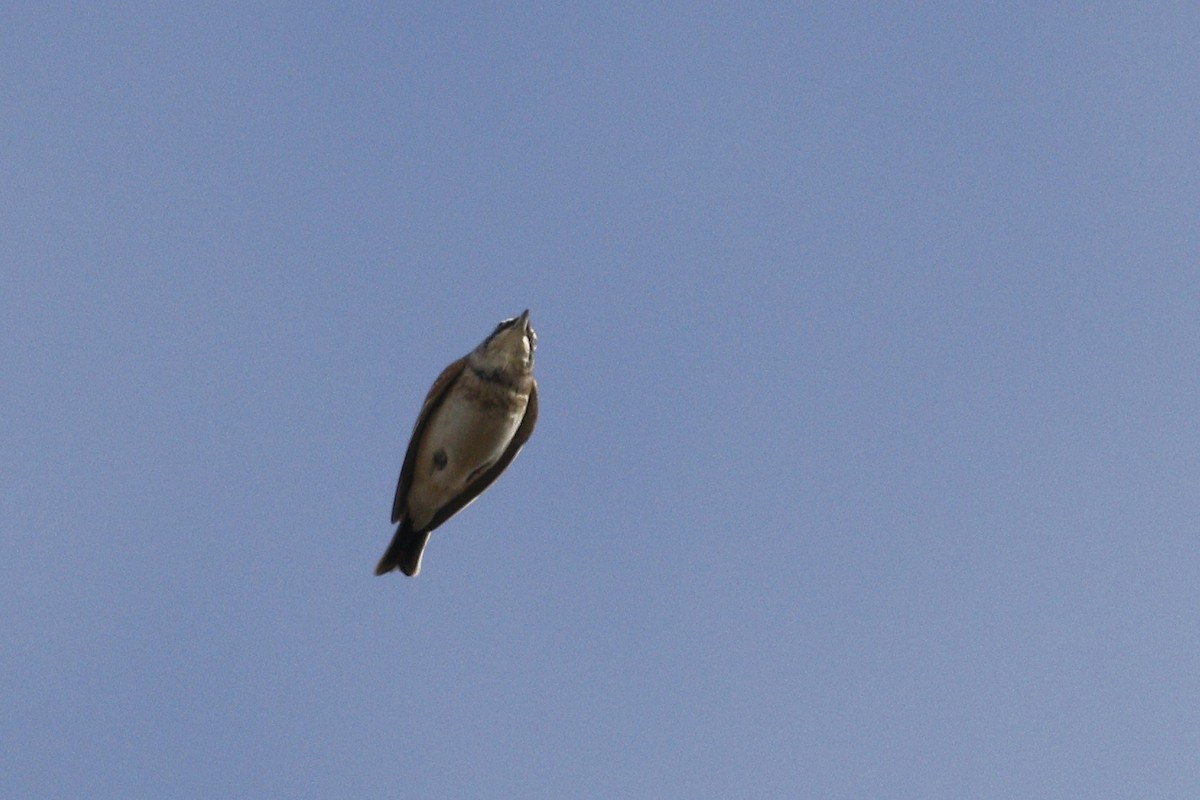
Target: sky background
<point>868,454</point>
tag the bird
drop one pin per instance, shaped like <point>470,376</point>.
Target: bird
<point>479,413</point>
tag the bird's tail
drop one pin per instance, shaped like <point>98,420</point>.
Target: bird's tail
<point>405,550</point>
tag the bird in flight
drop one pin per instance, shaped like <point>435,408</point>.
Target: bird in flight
<point>479,413</point>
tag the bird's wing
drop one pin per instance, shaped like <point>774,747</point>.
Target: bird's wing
<point>432,401</point>
<point>524,430</point>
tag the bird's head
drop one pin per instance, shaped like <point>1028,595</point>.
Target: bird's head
<point>509,348</point>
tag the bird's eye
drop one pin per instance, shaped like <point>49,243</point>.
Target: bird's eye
<point>508,323</point>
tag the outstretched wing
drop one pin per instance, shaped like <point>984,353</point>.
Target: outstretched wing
<point>432,401</point>
<point>524,430</point>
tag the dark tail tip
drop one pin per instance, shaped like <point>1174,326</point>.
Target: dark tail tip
<point>405,551</point>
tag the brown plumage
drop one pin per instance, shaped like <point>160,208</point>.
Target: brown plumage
<point>479,413</point>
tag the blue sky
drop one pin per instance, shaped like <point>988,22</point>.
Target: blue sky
<point>867,461</point>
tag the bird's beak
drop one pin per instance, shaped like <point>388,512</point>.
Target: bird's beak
<point>524,318</point>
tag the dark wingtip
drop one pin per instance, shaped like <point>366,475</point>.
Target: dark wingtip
<point>391,556</point>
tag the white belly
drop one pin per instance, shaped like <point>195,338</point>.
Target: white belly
<point>471,438</point>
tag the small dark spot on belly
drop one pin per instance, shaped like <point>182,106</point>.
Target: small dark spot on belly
<point>439,461</point>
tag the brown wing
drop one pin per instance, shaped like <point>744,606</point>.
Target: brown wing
<point>432,401</point>
<point>524,430</point>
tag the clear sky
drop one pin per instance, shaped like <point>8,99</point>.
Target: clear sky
<point>868,457</point>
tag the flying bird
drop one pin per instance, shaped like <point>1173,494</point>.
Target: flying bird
<point>479,413</point>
